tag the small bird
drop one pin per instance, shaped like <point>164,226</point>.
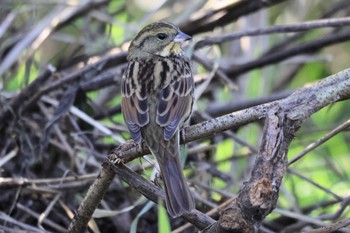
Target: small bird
<point>157,100</point>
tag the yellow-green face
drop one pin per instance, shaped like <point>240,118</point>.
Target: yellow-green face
<point>161,39</point>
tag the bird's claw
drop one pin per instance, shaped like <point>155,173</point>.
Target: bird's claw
<point>116,156</point>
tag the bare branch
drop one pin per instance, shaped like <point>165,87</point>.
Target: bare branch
<point>258,197</point>
<point>209,19</point>
<point>332,227</point>
<point>300,27</point>
<point>320,141</point>
<point>307,47</point>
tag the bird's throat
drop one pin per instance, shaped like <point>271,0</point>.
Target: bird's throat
<point>172,49</point>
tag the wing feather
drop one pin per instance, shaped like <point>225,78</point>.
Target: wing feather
<point>175,103</point>
<point>134,105</point>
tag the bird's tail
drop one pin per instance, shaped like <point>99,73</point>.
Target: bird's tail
<point>178,197</point>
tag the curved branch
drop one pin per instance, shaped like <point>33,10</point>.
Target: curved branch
<point>308,47</point>
<point>300,27</point>
<point>210,19</point>
<point>258,197</point>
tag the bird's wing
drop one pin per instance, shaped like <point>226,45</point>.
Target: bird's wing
<point>175,103</point>
<point>134,106</point>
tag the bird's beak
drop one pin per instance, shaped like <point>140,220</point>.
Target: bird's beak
<point>181,37</point>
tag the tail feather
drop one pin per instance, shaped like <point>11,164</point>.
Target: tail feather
<point>178,196</point>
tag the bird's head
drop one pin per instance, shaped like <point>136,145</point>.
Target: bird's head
<point>160,39</point>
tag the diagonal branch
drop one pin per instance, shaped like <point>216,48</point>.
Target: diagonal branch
<point>300,27</point>
<point>307,47</point>
<point>258,197</point>
<point>209,19</point>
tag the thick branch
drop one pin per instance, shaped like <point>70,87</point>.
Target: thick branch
<point>258,197</point>
<point>204,129</point>
<point>92,199</point>
<point>153,192</point>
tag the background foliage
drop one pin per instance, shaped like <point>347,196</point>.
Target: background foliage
<point>60,67</point>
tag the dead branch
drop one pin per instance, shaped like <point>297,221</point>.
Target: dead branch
<point>258,197</point>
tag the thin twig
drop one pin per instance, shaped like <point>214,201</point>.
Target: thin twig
<point>279,56</point>
<point>332,227</point>
<point>320,141</point>
<point>304,26</point>
<point>6,218</point>
<point>339,198</point>
<point>45,221</point>
<point>209,19</point>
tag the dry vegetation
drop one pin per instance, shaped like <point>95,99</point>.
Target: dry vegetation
<point>259,157</point>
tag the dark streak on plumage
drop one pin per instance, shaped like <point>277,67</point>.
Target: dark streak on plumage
<point>182,86</point>
<point>162,106</point>
<point>175,101</point>
<point>166,92</point>
<point>176,85</point>
<point>131,69</point>
<point>143,92</point>
<point>133,83</point>
<point>157,101</point>
<point>132,102</point>
<point>165,70</point>
<point>128,90</point>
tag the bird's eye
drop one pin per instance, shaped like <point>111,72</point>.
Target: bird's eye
<point>161,36</point>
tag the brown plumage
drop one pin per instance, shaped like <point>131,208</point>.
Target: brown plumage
<point>157,100</point>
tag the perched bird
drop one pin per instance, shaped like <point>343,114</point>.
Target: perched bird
<point>157,100</point>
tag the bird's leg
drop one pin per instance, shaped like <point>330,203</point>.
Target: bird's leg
<point>182,135</point>
<point>157,179</point>
<point>116,156</point>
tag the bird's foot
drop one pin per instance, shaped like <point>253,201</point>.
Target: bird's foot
<point>116,156</point>
<point>157,180</point>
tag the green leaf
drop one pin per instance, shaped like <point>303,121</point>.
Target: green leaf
<point>307,74</point>
<point>224,150</point>
<point>163,220</point>
<point>22,78</point>
<point>117,33</point>
<point>254,87</point>
<point>338,145</point>
<point>330,114</point>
